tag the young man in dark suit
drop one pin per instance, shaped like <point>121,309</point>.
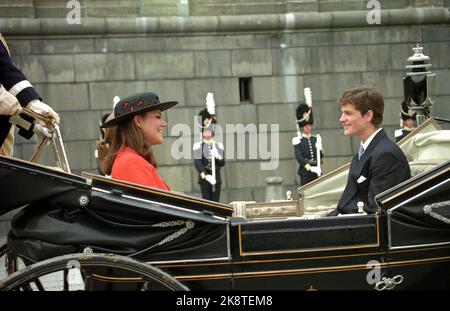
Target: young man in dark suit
<point>379,164</point>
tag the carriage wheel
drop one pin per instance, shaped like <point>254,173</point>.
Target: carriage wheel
<point>87,271</point>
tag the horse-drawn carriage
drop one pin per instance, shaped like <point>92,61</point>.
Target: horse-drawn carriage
<point>92,232</point>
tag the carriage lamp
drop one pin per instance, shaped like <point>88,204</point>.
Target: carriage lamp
<point>419,85</point>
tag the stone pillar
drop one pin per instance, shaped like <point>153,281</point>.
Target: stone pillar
<point>274,189</point>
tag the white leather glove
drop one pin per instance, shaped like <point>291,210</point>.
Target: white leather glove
<point>315,169</point>
<point>215,154</point>
<point>9,105</point>
<point>39,107</point>
<point>211,179</point>
<point>319,142</point>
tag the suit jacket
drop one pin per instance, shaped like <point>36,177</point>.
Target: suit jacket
<point>382,166</point>
<point>15,82</point>
<point>202,159</point>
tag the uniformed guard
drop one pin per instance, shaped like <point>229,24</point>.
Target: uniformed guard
<point>209,154</point>
<point>407,122</point>
<point>19,93</point>
<point>306,145</point>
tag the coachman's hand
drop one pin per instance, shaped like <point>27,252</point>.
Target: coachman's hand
<point>39,107</point>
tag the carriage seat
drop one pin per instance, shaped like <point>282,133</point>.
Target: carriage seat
<point>421,166</point>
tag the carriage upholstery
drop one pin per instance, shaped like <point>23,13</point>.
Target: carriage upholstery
<point>427,150</point>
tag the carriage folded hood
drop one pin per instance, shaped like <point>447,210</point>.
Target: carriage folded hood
<point>64,213</point>
<point>23,182</point>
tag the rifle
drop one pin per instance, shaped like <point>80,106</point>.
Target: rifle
<point>213,164</point>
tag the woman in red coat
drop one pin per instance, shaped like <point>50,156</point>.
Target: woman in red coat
<point>138,125</point>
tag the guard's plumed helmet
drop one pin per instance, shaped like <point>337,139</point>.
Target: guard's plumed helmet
<point>304,115</point>
<point>406,113</point>
<point>208,115</point>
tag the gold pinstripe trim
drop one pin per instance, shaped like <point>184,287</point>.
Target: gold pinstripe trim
<point>204,277</point>
<point>240,239</point>
<point>310,250</point>
<point>115,279</point>
<point>378,230</point>
<point>115,182</point>
<point>377,244</point>
<point>414,186</point>
<point>298,259</point>
<point>310,270</point>
<point>282,272</point>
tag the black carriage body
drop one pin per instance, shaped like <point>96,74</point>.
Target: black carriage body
<point>350,252</point>
<point>66,214</point>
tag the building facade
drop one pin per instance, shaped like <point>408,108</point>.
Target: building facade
<point>255,56</point>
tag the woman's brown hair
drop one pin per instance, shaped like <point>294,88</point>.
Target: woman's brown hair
<point>129,135</point>
<point>365,98</point>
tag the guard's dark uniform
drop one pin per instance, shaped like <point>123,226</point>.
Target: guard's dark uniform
<point>405,114</point>
<point>305,145</point>
<point>306,153</point>
<point>202,161</point>
<point>15,82</point>
<point>401,133</point>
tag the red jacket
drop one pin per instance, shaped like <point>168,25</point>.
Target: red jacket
<point>132,167</point>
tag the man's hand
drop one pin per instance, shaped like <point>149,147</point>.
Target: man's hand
<point>210,179</point>
<point>39,107</point>
<point>9,105</point>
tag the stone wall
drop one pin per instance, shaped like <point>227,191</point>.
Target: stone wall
<point>134,8</point>
<point>79,72</point>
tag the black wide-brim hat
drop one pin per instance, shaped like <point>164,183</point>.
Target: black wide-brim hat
<point>136,104</point>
